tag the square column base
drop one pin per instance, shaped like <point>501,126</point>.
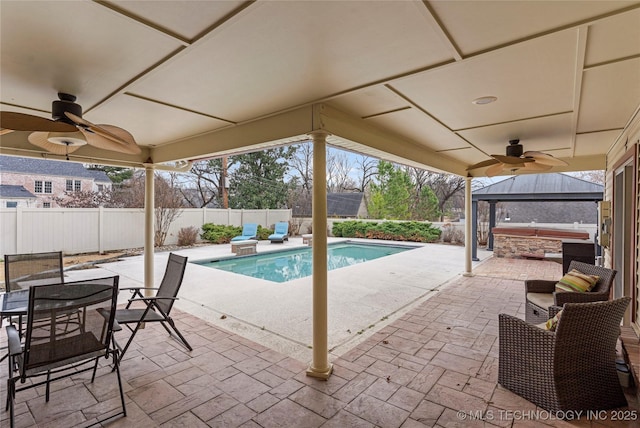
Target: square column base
<point>322,375</point>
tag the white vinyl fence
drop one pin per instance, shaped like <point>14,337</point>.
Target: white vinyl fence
<point>87,230</point>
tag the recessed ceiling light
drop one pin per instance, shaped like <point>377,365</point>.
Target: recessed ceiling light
<point>484,100</point>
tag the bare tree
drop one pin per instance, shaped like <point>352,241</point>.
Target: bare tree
<point>302,166</point>
<point>168,200</point>
<point>339,170</point>
<point>366,168</point>
<point>204,184</point>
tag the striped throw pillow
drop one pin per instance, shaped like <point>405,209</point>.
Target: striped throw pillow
<point>552,323</point>
<point>577,281</point>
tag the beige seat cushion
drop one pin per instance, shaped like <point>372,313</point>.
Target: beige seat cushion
<point>542,300</point>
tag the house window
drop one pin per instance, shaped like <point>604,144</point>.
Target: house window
<point>100,187</point>
<point>73,186</point>
<point>46,205</point>
<point>12,204</point>
<point>38,187</point>
<point>47,187</point>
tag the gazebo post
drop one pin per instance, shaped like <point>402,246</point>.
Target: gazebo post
<point>492,224</point>
<point>474,231</point>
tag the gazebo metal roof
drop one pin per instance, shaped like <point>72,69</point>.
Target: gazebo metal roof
<point>533,188</point>
<point>540,187</point>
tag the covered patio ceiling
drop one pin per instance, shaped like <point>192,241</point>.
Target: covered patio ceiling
<point>396,80</point>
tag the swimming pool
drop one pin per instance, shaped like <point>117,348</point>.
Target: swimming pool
<point>283,266</point>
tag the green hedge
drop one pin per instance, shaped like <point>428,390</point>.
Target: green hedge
<point>394,231</point>
<point>222,233</point>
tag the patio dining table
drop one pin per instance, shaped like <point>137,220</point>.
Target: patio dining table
<point>14,304</point>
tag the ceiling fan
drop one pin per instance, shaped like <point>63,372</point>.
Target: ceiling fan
<point>517,159</point>
<point>68,131</point>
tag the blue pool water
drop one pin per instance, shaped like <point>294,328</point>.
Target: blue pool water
<point>283,266</point>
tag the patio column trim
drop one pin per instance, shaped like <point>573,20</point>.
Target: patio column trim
<point>468,231</point>
<point>320,367</point>
<point>149,208</point>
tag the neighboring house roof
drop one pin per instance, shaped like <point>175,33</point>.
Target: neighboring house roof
<point>48,167</point>
<point>338,205</point>
<point>12,191</point>
<point>99,176</point>
<point>344,204</point>
<point>540,187</point>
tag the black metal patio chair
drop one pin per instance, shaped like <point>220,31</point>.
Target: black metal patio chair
<point>53,352</point>
<point>156,308</point>
<point>22,271</point>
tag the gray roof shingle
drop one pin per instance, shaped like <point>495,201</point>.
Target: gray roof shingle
<point>13,191</point>
<point>49,167</point>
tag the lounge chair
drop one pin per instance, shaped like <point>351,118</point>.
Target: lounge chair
<point>570,369</point>
<point>158,307</point>
<point>541,294</point>
<point>249,231</point>
<point>281,232</point>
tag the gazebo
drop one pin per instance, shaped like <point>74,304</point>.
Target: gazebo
<point>530,188</point>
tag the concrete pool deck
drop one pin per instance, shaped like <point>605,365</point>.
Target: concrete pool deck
<point>362,298</point>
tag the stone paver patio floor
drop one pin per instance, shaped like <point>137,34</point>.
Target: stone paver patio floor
<point>421,370</point>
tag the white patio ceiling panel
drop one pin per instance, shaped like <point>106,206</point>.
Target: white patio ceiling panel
<point>550,134</point>
<point>609,38</point>
<point>373,100</point>
<point>530,80</point>
<point>610,94</point>
<point>184,19</point>
<point>480,25</point>
<point>420,128</point>
<point>206,78</point>
<point>334,50</point>
<point>53,46</point>
<point>153,122</point>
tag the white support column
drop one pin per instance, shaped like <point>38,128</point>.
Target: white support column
<point>468,230</point>
<point>149,211</point>
<point>320,367</point>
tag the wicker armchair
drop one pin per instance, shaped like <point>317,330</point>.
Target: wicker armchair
<point>540,294</point>
<point>572,368</point>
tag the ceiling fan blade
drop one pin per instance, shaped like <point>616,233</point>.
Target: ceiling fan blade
<point>496,169</point>
<point>106,137</point>
<point>27,122</point>
<point>41,139</point>
<point>544,158</point>
<point>482,164</point>
<point>5,131</point>
<point>124,144</point>
<point>511,159</point>
<point>536,166</point>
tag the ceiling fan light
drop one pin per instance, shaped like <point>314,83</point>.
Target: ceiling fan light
<point>484,100</point>
<point>67,138</point>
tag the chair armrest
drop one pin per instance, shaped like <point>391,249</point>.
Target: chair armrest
<point>525,353</point>
<point>134,289</point>
<point>13,337</point>
<point>151,299</point>
<point>553,311</point>
<point>576,297</point>
<point>539,286</point>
